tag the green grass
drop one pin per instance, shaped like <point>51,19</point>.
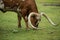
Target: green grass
<point>8,22</point>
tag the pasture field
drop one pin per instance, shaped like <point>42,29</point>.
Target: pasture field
<point>8,22</point>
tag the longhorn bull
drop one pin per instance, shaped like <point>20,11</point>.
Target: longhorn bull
<point>26,9</point>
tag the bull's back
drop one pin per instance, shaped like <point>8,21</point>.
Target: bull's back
<point>27,4</point>
<point>11,3</point>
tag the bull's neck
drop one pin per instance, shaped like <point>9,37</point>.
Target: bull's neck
<point>34,7</point>
<point>35,10</point>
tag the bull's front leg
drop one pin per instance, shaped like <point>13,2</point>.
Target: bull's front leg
<point>19,21</point>
<point>26,21</point>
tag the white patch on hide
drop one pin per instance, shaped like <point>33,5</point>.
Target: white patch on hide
<point>18,9</point>
<point>1,1</point>
<point>1,4</point>
<point>23,0</point>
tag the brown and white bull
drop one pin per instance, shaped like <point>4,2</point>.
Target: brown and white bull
<point>26,9</point>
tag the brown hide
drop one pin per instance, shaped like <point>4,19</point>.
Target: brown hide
<point>25,7</point>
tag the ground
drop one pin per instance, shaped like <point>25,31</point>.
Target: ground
<point>8,23</point>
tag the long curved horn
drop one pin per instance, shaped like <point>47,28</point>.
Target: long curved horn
<point>29,22</point>
<point>43,14</point>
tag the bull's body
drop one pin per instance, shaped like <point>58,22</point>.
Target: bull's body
<point>23,8</point>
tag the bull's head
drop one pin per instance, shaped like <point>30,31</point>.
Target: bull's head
<point>33,19</point>
<point>36,18</point>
